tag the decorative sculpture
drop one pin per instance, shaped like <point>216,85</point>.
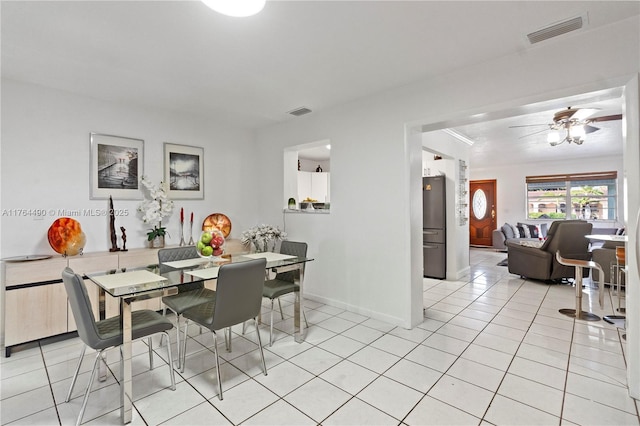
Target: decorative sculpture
<point>124,238</point>
<point>112,229</point>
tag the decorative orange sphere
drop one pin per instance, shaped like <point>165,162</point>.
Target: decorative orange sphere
<point>66,236</point>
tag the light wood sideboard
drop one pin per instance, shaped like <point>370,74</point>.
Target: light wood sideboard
<point>36,305</point>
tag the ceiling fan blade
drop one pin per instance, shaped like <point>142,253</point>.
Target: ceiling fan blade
<point>531,134</point>
<point>590,129</point>
<point>606,118</point>
<point>583,113</point>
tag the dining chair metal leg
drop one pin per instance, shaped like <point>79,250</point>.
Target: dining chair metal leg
<point>75,375</point>
<point>271,326</point>
<point>178,346</point>
<point>184,345</point>
<point>215,352</point>
<point>170,362</point>
<point>150,344</point>
<point>88,390</point>
<point>280,306</point>
<point>164,314</point>
<point>264,364</point>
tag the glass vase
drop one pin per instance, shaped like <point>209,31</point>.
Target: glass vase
<point>157,242</point>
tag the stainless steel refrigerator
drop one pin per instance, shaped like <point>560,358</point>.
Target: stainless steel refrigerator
<point>434,239</point>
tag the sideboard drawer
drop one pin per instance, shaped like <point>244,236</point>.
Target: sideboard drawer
<point>35,312</point>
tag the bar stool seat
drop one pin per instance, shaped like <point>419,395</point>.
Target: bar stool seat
<point>579,265</point>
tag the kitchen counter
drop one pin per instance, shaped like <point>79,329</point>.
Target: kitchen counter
<point>307,211</point>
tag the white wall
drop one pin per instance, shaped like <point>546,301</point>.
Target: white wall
<point>45,165</point>
<point>367,257</point>
<point>511,193</point>
<point>312,165</point>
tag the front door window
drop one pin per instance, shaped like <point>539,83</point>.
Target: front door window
<point>479,204</point>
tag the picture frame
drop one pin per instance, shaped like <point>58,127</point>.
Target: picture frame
<point>184,171</point>
<point>116,166</point>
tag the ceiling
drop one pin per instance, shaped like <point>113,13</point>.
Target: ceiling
<point>496,143</point>
<point>182,56</point>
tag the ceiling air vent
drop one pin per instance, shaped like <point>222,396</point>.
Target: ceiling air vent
<point>556,30</point>
<point>299,111</point>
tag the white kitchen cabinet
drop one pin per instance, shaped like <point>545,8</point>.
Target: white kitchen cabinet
<point>313,185</point>
<point>320,186</point>
<point>304,185</point>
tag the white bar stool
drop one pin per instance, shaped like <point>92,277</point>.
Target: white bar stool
<point>579,265</point>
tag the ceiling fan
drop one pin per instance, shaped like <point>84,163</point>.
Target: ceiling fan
<point>571,125</point>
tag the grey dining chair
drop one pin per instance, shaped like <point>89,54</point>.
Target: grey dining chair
<point>285,282</point>
<point>238,299</point>
<point>105,334</point>
<point>189,295</point>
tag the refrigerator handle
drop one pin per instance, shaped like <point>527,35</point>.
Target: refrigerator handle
<point>430,247</point>
<point>429,232</point>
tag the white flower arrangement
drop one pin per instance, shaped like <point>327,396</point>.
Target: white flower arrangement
<point>156,207</point>
<point>262,235</point>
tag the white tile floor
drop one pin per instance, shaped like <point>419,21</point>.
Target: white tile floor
<point>493,349</point>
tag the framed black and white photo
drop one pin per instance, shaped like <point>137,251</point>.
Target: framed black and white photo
<point>183,170</point>
<point>116,167</point>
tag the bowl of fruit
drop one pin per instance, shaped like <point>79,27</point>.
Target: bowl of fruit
<point>210,244</point>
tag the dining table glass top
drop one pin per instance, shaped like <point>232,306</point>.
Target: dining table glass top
<point>133,281</point>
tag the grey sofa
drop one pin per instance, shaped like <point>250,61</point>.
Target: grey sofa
<point>505,233</point>
<point>566,236</point>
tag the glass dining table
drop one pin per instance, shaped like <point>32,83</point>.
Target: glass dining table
<point>132,285</point>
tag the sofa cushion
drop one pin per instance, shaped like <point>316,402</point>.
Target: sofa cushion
<point>530,231</point>
<point>507,230</point>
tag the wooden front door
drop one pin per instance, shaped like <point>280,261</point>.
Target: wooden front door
<point>482,212</point>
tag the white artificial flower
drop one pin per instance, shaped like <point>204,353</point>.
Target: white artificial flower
<point>157,205</point>
<point>261,235</point>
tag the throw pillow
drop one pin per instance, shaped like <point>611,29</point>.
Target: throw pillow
<point>621,231</point>
<point>507,230</point>
<point>516,232</point>
<point>524,230</point>
<point>530,231</point>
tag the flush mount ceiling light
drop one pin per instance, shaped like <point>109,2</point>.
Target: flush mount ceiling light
<point>236,8</point>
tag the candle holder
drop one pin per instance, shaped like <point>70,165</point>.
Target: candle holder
<point>182,243</point>
<point>191,242</point>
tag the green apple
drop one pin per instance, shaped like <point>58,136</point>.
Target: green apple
<point>200,246</point>
<point>207,251</point>
<point>206,237</point>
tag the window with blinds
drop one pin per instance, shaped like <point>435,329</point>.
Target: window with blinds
<point>589,196</point>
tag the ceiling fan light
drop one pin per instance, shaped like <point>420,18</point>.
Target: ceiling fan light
<point>553,137</point>
<point>577,132</point>
<point>236,8</point>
